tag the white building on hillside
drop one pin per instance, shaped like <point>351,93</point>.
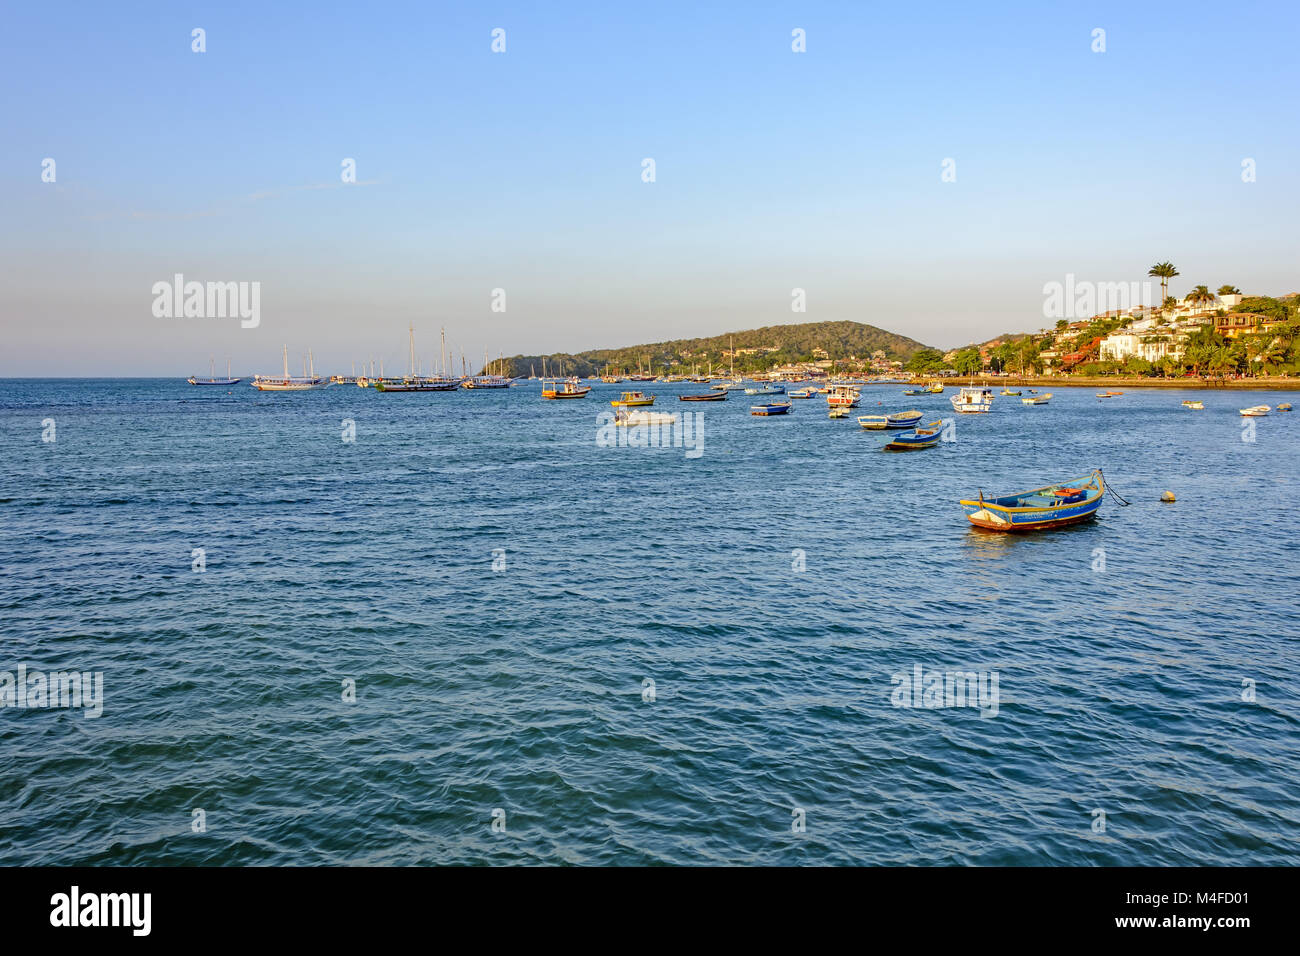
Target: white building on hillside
<point>1151,345</point>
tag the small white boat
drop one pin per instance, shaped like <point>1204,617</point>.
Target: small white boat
<point>843,396</point>
<point>625,418</point>
<point>1196,405</point>
<point>1255,411</point>
<point>1036,399</point>
<point>973,399</point>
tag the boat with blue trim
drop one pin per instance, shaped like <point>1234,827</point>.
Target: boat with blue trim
<point>926,437</point>
<point>908,419</point>
<point>1053,506</point>
<point>771,408</point>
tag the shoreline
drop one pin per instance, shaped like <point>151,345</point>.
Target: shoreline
<point>1108,381</point>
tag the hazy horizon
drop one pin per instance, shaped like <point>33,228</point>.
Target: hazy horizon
<point>522,170</point>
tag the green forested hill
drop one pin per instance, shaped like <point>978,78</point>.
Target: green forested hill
<point>789,343</point>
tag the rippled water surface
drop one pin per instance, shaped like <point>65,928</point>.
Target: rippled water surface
<point>1120,647</point>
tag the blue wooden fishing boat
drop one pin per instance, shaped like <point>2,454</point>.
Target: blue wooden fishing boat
<point>768,390</point>
<point>926,437</point>
<point>908,419</point>
<point>772,408</point>
<point>1053,506</point>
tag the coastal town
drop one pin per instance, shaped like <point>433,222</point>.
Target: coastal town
<point>1216,337</point>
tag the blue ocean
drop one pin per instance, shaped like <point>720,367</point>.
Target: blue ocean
<point>346,627</point>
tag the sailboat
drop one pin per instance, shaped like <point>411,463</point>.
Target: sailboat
<point>735,383</point>
<point>414,382</point>
<point>487,380</point>
<point>287,382</point>
<point>212,373</point>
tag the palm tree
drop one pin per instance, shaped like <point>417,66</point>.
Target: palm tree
<point>1229,290</point>
<point>1164,271</point>
<point>1201,295</point>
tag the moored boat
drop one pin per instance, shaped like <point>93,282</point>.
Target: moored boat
<point>771,408</point>
<point>908,419</point>
<point>624,418</point>
<point>212,376</point>
<point>1011,391</point>
<point>973,399</point>
<point>418,385</point>
<point>802,393</point>
<point>935,388</point>
<point>556,390</point>
<point>839,411</point>
<point>1255,411</point>
<point>766,390</point>
<point>486,381</point>
<point>633,400</point>
<point>287,382</point>
<point>705,397</point>
<point>843,396</point>
<point>1284,407</point>
<point>926,437</point>
<point>1036,399</point>
<point>1053,506</point>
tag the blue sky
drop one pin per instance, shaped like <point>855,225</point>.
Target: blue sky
<point>522,170</point>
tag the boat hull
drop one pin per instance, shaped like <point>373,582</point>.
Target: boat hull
<point>1019,513</point>
<point>989,524</point>
<point>910,443</point>
<point>288,386</point>
<point>417,387</point>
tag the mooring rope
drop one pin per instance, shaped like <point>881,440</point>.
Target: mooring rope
<point>1113,493</point>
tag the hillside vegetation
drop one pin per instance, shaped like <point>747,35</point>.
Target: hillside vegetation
<point>780,345</point>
